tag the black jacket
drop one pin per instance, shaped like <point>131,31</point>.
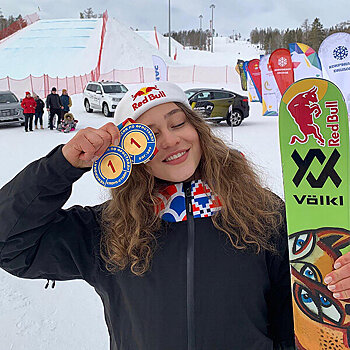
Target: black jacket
<point>53,101</point>
<point>39,105</point>
<point>199,294</point>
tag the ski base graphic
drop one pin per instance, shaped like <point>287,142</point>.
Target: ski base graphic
<point>314,143</point>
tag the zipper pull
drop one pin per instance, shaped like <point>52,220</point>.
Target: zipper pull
<point>189,200</point>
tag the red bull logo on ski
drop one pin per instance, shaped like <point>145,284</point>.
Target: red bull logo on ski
<point>148,93</point>
<point>304,108</point>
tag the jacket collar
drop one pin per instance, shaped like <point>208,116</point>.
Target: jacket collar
<point>172,202</point>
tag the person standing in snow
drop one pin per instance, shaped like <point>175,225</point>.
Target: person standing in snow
<point>189,253</point>
<point>66,102</point>
<point>54,107</point>
<point>28,104</point>
<point>39,111</point>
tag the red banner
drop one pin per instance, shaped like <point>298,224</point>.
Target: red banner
<point>156,36</point>
<point>255,74</point>
<point>282,68</point>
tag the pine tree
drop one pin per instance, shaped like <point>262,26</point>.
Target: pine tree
<point>317,34</point>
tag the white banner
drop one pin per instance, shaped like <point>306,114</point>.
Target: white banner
<point>253,96</point>
<point>306,63</point>
<point>334,54</point>
<point>271,95</point>
<point>159,68</point>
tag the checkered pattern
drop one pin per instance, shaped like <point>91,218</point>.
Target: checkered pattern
<point>172,203</point>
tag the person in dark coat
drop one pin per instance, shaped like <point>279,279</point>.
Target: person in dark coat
<point>39,111</point>
<point>189,253</point>
<point>66,101</point>
<point>54,107</point>
<point>28,104</point>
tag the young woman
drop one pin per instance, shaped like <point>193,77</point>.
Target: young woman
<point>190,253</point>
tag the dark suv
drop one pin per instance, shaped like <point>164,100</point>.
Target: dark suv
<point>11,112</point>
<point>215,105</point>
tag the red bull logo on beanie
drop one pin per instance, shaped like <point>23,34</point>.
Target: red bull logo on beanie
<point>148,93</point>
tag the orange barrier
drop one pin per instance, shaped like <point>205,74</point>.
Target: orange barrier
<point>19,24</point>
<point>76,84</point>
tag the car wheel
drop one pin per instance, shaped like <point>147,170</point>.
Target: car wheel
<point>87,106</point>
<point>105,110</point>
<point>236,117</point>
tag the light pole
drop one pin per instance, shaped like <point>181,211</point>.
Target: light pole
<point>212,6</point>
<point>200,31</point>
<point>169,33</point>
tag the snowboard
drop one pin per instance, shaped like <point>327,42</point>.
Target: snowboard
<point>314,144</point>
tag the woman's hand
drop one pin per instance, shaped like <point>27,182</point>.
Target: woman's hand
<point>338,281</point>
<point>89,144</point>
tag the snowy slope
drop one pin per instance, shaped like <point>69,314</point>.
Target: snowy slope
<point>62,47</point>
<point>163,41</point>
<point>226,52</point>
<point>125,49</point>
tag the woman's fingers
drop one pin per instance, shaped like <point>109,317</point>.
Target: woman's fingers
<point>89,144</point>
<point>338,281</point>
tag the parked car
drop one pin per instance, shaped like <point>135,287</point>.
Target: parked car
<point>11,112</point>
<point>103,96</point>
<point>214,105</point>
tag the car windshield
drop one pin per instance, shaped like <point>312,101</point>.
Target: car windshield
<point>8,98</point>
<point>114,89</point>
<point>190,93</point>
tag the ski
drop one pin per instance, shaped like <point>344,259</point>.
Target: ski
<point>314,144</point>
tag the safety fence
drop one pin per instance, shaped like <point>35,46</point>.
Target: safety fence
<point>103,32</point>
<point>19,24</point>
<point>76,84</point>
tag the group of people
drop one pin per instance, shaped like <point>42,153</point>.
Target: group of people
<point>55,105</point>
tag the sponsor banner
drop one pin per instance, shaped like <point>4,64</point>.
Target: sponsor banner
<point>240,71</point>
<point>253,96</point>
<point>334,53</point>
<point>160,70</point>
<point>271,95</point>
<point>306,63</point>
<point>255,75</point>
<point>282,68</point>
<point>314,143</point>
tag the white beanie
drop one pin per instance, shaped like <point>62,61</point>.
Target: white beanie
<point>139,100</point>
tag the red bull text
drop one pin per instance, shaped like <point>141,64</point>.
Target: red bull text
<point>148,96</point>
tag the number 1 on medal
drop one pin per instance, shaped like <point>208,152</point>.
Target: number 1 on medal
<point>110,164</point>
<point>135,143</point>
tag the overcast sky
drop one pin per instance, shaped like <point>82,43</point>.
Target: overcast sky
<point>240,16</point>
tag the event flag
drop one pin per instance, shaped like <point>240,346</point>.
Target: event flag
<point>305,60</point>
<point>334,54</point>
<point>282,68</point>
<point>240,71</point>
<point>271,96</point>
<point>160,68</point>
<point>255,75</point>
<point>253,96</point>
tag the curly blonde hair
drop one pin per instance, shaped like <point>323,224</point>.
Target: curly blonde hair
<point>249,216</point>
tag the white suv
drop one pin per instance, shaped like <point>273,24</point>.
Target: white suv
<point>103,96</point>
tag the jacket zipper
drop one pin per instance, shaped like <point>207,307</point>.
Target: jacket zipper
<point>190,269</point>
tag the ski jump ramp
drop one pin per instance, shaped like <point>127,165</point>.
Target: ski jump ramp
<point>61,47</point>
